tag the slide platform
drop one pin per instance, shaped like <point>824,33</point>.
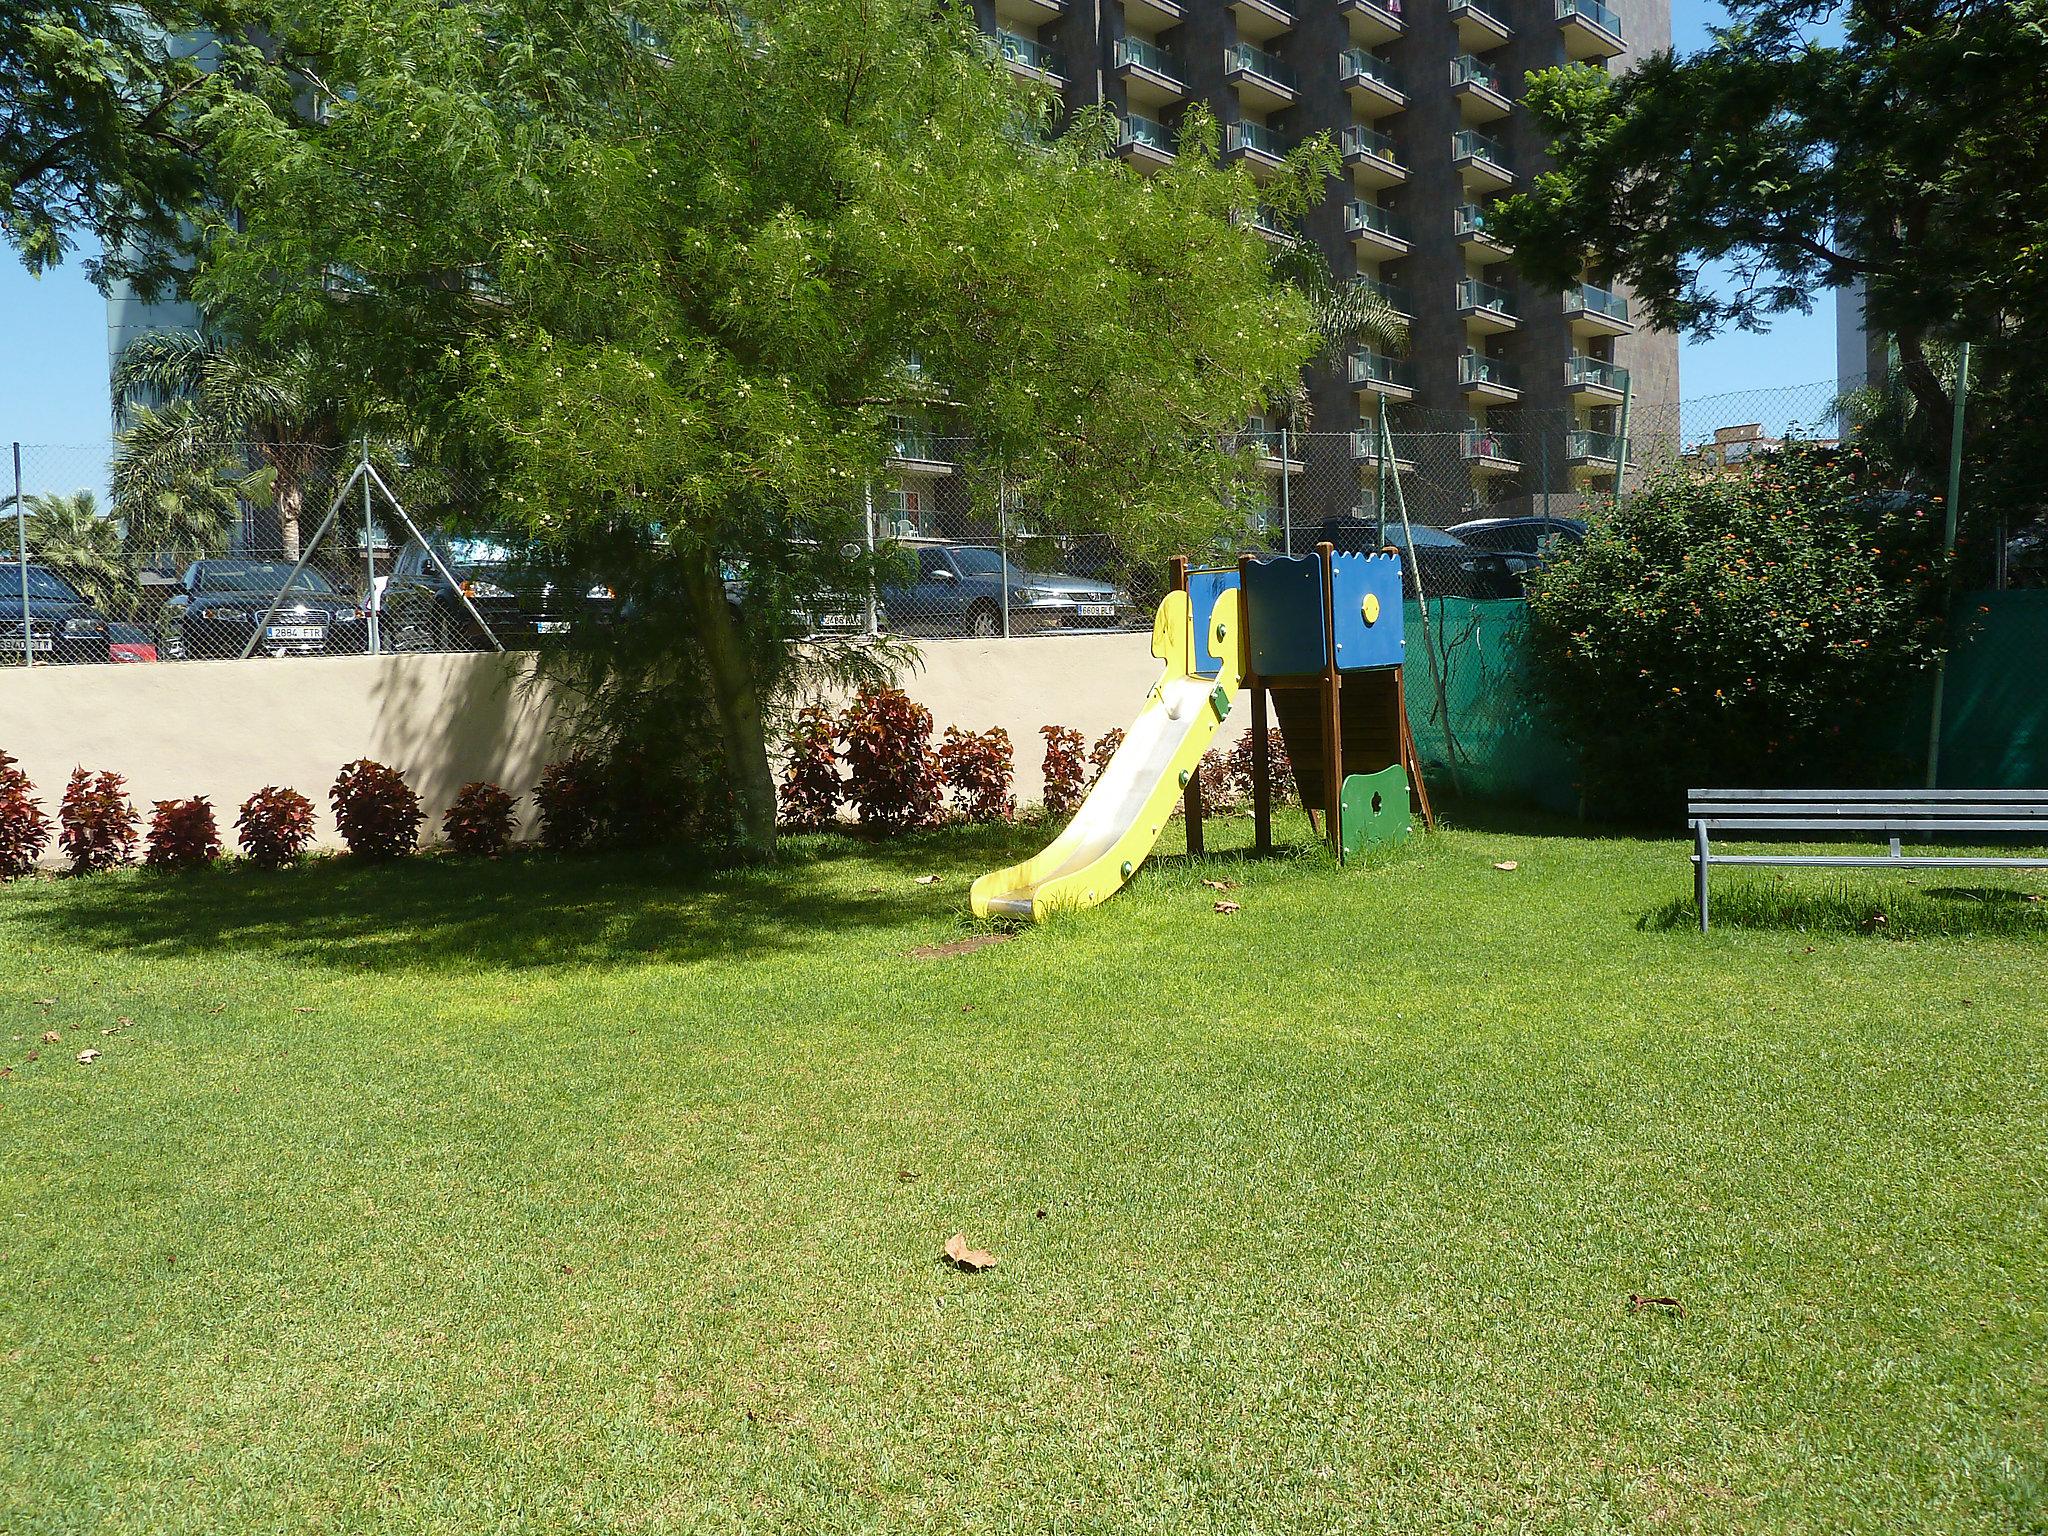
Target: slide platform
<point>1116,826</point>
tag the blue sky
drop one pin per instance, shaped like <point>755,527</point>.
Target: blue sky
<point>53,335</point>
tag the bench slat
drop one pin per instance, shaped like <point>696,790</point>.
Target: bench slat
<point>1873,861</point>
<point>1823,796</point>
<point>2019,813</point>
<point>1718,824</point>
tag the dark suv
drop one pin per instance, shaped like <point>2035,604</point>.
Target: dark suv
<point>62,626</point>
<point>418,609</point>
<point>957,589</point>
<point>221,603</point>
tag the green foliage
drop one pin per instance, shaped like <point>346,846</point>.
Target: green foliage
<point>1736,631</point>
<point>75,539</point>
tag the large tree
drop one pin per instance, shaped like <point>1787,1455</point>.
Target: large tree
<point>1911,155</point>
<point>666,277</point>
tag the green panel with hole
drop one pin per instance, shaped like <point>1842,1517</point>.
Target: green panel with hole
<point>1375,809</point>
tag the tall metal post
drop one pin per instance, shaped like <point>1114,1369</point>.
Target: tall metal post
<point>1382,457</point>
<point>867,499</point>
<point>1003,542</point>
<point>1948,544</point>
<point>1543,463</point>
<point>28,628</point>
<point>1621,437</point>
<point>370,604</point>
<point>1286,501</point>
<point>1436,663</point>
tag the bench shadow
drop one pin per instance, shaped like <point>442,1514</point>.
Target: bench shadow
<point>1871,907</point>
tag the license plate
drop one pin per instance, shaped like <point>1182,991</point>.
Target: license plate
<point>841,621</point>
<point>39,643</point>
<point>295,632</point>
<point>1096,610</point>
<point>551,627</point>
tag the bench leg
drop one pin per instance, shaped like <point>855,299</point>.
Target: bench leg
<point>1699,878</point>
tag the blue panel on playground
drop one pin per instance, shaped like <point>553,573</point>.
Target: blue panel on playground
<point>1365,593</point>
<point>1203,589</point>
<point>1284,596</point>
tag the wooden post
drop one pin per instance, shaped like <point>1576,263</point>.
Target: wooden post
<point>1418,787</point>
<point>1262,746</point>
<point>1333,708</point>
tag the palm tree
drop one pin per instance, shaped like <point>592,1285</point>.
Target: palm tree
<point>1349,312</point>
<point>71,536</point>
<point>214,422</point>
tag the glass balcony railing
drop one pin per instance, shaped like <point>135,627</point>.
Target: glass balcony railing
<point>1485,443</point>
<point>1257,138</point>
<point>1586,299</point>
<point>1256,61</point>
<point>1473,294</point>
<point>1366,446</point>
<point>1466,69</point>
<point>1487,8</point>
<point>1361,140</point>
<point>1469,143</point>
<point>1580,369</point>
<point>1148,56</point>
<point>1469,219</point>
<point>1026,54</point>
<point>1394,295</point>
<point>1264,218</point>
<point>1360,216</point>
<point>916,445</point>
<point>1374,368</point>
<point>1357,62</point>
<point>1143,131</point>
<point>1591,10</point>
<point>1270,444</point>
<point>1477,368</point>
<point>1581,444</point>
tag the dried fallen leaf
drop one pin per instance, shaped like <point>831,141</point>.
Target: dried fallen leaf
<point>88,1057</point>
<point>973,1260</point>
<point>927,879</point>
<point>46,1002</point>
<point>1663,1303</point>
<point>1227,907</point>
<point>906,1176</point>
<point>1507,864</point>
<point>51,1037</point>
<point>1221,885</point>
<point>965,946</point>
<point>305,1010</point>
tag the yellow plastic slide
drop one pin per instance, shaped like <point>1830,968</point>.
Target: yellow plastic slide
<point>1118,823</point>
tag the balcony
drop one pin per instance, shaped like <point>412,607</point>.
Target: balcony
<point>1590,29</point>
<point>918,451</point>
<point>1262,81</point>
<point>1481,163</point>
<point>1469,222</point>
<point>1261,19</point>
<point>1482,25</point>
<point>1030,13</point>
<point>1490,452</point>
<point>1256,145</point>
<point>1392,294</point>
<point>1493,380</point>
<point>1267,223</point>
<point>1370,21</point>
<point>1145,143</point>
<point>1592,450</point>
<point>1370,80</point>
<point>1154,15</point>
<point>1149,73</point>
<point>1366,450</point>
<point>1370,155</point>
<point>1372,374</point>
<point>1031,60</point>
<point>1485,308</point>
<point>1276,450</point>
<point>1596,312</point>
<point>1373,230</point>
<point>1594,378</point>
<point>1480,89</point>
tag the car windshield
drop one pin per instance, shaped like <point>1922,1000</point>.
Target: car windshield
<point>477,552</point>
<point>979,562</point>
<point>256,576</point>
<point>42,584</point>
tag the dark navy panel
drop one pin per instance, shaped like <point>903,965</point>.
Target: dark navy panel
<point>1284,599</point>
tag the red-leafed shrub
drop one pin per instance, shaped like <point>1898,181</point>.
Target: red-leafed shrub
<point>24,829</point>
<point>1103,750</point>
<point>978,768</point>
<point>569,801</point>
<point>274,826</point>
<point>1062,768</point>
<point>479,820</point>
<point>1230,782</point>
<point>375,810</point>
<point>893,781</point>
<point>812,786</point>
<point>182,834</point>
<point>98,823</point>
<point>1219,788</point>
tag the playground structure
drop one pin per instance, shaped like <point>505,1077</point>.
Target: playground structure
<point>1320,637</point>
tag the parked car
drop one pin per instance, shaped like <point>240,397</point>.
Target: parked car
<point>1446,564</point>
<point>131,642</point>
<point>521,599</point>
<point>62,627</point>
<point>958,589</point>
<point>220,603</point>
<point>1520,535</point>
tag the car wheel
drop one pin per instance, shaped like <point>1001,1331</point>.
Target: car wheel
<point>984,623</point>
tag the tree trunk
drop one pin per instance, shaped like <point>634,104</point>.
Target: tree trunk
<point>737,698</point>
<point>288,491</point>
<point>1936,405</point>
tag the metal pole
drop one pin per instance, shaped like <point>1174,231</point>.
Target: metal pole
<point>434,555</point>
<point>1543,466</point>
<point>1286,501</point>
<point>1621,437</point>
<point>1003,542</point>
<point>1436,673</point>
<point>327,522</point>
<point>1379,506</point>
<point>28,628</point>
<point>370,604</point>
<point>867,498</point>
<point>1948,544</point>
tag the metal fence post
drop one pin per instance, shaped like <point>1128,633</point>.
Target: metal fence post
<point>867,498</point>
<point>370,603</point>
<point>1003,542</point>
<point>28,627</point>
<point>1621,437</point>
<point>1948,544</point>
<point>1286,499</point>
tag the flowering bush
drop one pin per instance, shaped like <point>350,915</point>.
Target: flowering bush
<point>1230,781</point>
<point>24,829</point>
<point>978,768</point>
<point>478,821</point>
<point>182,834</point>
<point>569,800</point>
<point>376,811</point>
<point>893,780</point>
<point>812,787</point>
<point>274,826</point>
<point>1062,768</point>
<point>98,824</point>
<point>1736,630</point>
<point>1103,750</point>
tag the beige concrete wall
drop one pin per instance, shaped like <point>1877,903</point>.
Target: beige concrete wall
<point>225,729</point>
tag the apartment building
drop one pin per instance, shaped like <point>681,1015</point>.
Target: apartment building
<point>1524,388</point>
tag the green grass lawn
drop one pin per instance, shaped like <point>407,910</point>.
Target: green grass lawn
<point>599,1195</point>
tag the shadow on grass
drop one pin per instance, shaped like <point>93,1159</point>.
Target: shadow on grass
<point>1865,907</point>
<point>526,910</point>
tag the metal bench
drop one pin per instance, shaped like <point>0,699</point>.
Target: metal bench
<point>1960,815</point>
